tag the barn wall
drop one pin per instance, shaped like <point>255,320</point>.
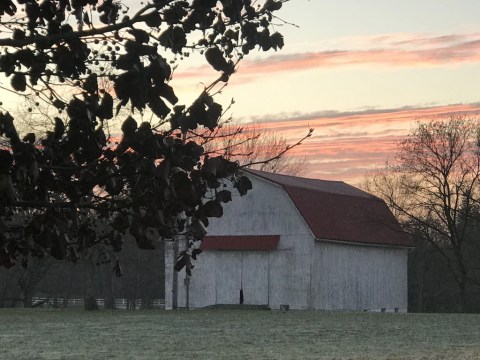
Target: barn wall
<point>356,277</point>
<point>270,278</point>
<point>168,275</point>
<point>301,272</point>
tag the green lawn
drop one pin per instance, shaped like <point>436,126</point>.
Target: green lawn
<point>235,334</point>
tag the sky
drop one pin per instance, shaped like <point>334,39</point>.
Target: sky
<point>362,73</point>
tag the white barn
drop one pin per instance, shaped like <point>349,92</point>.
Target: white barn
<point>305,243</point>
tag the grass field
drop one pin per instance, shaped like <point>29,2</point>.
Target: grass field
<point>235,334</point>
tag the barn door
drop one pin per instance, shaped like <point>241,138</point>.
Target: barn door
<point>255,277</point>
<point>247,270</point>
<point>228,277</point>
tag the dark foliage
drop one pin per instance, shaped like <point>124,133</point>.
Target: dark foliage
<point>76,188</point>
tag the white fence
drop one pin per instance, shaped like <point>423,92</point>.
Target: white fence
<point>78,302</point>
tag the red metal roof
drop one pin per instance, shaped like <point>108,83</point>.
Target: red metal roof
<point>335,210</point>
<point>252,242</point>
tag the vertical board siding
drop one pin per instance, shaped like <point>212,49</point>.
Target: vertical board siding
<point>273,278</point>
<point>203,288</point>
<point>280,278</point>
<point>228,273</point>
<point>255,277</point>
<point>353,277</point>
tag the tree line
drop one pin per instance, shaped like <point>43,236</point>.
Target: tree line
<point>58,281</point>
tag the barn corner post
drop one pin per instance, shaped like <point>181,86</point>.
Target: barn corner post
<point>175,275</point>
<point>186,281</point>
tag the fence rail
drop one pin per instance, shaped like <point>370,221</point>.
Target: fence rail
<point>79,302</point>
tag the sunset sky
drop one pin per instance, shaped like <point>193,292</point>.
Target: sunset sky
<point>360,73</point>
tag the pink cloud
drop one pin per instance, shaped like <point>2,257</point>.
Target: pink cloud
<point>396,50</point>
<point>445,55</point>
<point>345,145</point>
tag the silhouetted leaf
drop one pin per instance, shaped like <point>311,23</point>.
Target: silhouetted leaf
<point>195,253</point>
<point>19,82</point>
<point>174,38</point>
<point>277,40</point>
<point>215,58</point>
<point>59,128</point>
<point>141,36</point>
<point>129,126</point>
<point>197,229</point>
<point>30,138</point>
<point>219,167</point>
<point>105,109</point>
<point>59,104</point>
<point>243,184</point>
<point>18,34</point>
<point>214,113</point>
<point>181,261</point>
<point>153,19</point>
<point>272,5</point>
<point>166,91</point>
<point>158,107</point>
<point>213,208</point>
<point>224,196</point>
<point>90,85</point>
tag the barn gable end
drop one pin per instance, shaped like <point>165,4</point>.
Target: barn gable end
<point>335,210</point>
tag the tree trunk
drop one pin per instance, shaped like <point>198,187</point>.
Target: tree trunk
<point>65,301</point>
<point>3,296</point>
<point>147,302</point>
<point>463,298</point>
<point>27,299</point>
<point>175,276</point>
<point>462,281</point>
<point>90,302</point>
<point>109,297</point>
<point>420,306</point>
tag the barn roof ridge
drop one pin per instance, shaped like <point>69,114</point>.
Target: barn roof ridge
<point>303,183</point>
<point>346,213</point>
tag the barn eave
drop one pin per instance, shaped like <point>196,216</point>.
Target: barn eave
<point>240,243</point>
<point>371,244</point>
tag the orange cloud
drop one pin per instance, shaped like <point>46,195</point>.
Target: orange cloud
<point>345,145</point>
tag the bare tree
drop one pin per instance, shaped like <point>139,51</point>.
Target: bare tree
<point>434,190</point>
<point>256,147</point>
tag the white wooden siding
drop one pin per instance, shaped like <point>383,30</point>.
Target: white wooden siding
<point>228,268</point>
<point>358,277</point>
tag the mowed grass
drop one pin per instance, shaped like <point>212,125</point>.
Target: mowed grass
<point>235,334</point>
